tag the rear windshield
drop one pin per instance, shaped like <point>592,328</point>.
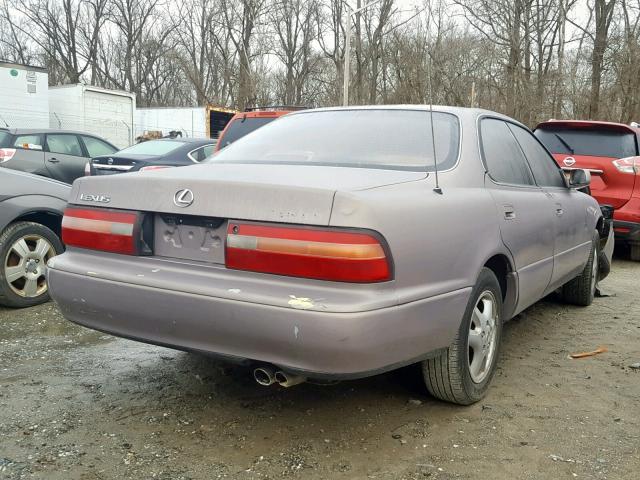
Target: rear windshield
<point>153,147</point>
<point>5,137</point>
<point>596,143</point>
<point>240,127</point>
<point>389,139</point>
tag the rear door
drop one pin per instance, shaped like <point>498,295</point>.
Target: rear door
<point>524,210</point>
<point>572,240</point>
<point>29,154</point>
<point>594,147</point>
<point>65,156</point>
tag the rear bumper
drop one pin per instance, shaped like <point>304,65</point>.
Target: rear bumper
<point>626,221</point>
<point>627,231</point>
<point>319,343</point>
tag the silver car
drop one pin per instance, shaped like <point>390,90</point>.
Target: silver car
<point>31,209</point>
<point>324,246</point>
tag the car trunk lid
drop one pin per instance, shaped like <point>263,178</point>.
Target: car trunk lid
<point>270,193</point>
<point>110,164</point>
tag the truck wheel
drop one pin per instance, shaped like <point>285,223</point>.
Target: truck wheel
<point>463,372</point>
<point>582,289</point>
<point>25,248</point>
<point>634,252</point>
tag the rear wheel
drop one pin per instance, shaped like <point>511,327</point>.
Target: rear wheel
<point>25,248</point>
<point>463,372</point>
<point>582,289</point>
<point>634,252</point>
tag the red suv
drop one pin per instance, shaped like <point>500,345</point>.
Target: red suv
<point>610,152</point>
<point>251,119</point>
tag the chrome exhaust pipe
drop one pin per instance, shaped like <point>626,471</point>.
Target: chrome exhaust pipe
<point>264,376</point>
<point>288,379</point>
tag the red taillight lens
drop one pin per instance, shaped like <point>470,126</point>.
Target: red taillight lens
<point>305,252</point>
<point>629,165</point>
<point>6,154</point>
<point>105,230</point>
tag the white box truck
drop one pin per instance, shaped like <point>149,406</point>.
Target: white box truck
<point>196,122</point>
<point>106,113</point>
<point>24,96</point>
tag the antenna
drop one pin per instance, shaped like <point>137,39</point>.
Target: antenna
<point>433,135</point>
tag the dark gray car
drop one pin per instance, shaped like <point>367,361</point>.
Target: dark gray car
<point>58,154</point>
<point>322,246</point>
<point>154,154</point>
<point>31,209</point>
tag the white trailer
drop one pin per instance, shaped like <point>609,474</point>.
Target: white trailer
<point>195,122</point>
<point>24,96</point>
<point>106,113</point>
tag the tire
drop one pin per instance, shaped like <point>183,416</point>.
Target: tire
<point>634,252</point>
<point>581,290</point>
<point>453,376</point>
<point>25,248</point>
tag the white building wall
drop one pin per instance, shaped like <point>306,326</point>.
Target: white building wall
<point>190,121</point>
<point>24,96</point>
<point>106,113</point>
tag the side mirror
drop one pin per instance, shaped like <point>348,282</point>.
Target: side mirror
<point>579,178</point>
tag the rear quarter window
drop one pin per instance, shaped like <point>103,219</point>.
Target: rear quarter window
<point>588,141</point>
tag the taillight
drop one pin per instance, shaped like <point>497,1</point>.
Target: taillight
<point>6,154</point>
<point>322,254</point>
<point>628,165</point>
<point>87,169</point>
<point>151,168</point>
<point>105,230</point>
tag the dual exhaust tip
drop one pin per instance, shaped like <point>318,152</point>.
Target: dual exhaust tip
<point>268,376</point>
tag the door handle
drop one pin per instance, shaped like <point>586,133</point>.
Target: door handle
<point>509,212</point>
<point>53,160</point>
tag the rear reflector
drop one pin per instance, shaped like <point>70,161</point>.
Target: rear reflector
<point>628,165</point>
<point>6,154</point>
<point>304,252</point>
<point>151,168</point>
<point>104,230</point>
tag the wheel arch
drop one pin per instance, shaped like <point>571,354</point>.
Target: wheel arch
<point>49,218</point>
<point>502,267</point>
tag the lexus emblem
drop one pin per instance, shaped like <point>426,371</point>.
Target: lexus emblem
<point>110,161</point>
<point>183,198</point>
<point>569,161</point>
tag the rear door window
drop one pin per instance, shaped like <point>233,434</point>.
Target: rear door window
<point>28,142</point>
<point>199,154</point>
<point>588,141</point>
<point>64,144</point>
<point>503,157</point>
<point>96,147</point>
<point>545,169</point>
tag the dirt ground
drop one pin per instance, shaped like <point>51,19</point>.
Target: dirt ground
<point>77,404</point>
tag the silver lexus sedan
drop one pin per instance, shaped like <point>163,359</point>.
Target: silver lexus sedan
<point>337,243</point>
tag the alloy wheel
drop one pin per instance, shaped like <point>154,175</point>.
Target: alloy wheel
<point>482,339</point>
<point>25,265</point>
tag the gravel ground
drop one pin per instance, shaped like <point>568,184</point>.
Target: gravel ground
<point>78,404</point>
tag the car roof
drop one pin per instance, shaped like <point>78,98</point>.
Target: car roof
<point>37,131</point>
<point>190,140</point>
<point>589,124</point>
<point>262,114</point>
<point>462,112</point>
